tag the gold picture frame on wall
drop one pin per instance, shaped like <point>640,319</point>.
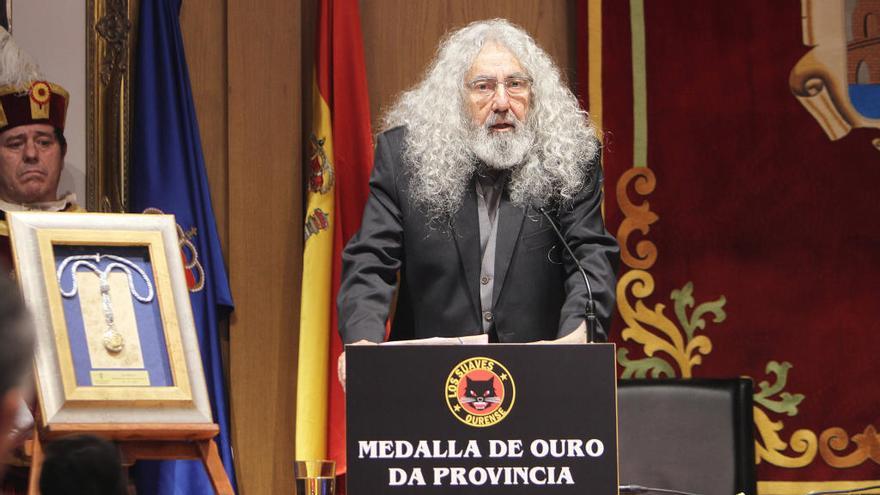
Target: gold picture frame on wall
<point>5,13</point>
<point>111,35</point>
<point>116,339</point>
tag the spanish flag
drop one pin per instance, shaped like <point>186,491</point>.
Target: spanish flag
<point>337,187</point>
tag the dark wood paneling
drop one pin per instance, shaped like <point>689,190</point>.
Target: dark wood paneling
<point>203,23</point>
<point>401,36</point>
<point>265,236</point>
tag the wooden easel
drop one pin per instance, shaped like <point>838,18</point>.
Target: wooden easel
<point>142,442</point>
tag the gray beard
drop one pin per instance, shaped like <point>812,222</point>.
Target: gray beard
<point>501,150</point>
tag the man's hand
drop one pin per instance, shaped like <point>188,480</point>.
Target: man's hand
<point>340,363</point>
<point>578,336</point>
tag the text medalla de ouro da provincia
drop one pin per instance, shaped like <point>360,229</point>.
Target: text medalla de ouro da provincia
<point>526,474</point>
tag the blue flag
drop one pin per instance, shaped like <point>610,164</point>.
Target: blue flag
<point>168,174</point>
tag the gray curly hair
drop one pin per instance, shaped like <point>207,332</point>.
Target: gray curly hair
<point>437,146</point>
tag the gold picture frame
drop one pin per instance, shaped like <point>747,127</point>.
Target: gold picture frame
<point>111,35</point>
<point>153,374</point>
<point>5,14</point>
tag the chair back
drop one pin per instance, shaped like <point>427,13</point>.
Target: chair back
<point>695,435</point>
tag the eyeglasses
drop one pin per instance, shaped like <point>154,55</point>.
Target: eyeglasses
<point>484,88</point>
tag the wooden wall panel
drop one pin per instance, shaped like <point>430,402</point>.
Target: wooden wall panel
<point>203,23</point>
<point>401,36</point>
<point>265,236</point>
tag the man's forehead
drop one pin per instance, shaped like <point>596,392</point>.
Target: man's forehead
<point>28,130</point>
<point>493,58</point>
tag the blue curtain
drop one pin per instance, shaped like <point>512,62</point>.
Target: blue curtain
<point>168,173</point>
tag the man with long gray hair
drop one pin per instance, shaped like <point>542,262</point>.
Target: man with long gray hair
<point>468,159</point>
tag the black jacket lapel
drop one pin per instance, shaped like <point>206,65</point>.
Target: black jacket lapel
<point>510,220</point>
<point>466,231</point>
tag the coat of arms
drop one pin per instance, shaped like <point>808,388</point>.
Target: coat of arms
<point>838,81</point>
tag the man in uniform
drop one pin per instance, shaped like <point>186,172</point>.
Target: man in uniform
<point>32,144</point>
<point>470,160</point>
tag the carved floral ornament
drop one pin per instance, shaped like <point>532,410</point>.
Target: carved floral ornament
<point>114,27</point>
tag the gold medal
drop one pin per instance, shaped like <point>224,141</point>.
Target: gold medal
<point>113,341</point>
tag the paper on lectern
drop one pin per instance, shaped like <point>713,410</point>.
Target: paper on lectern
<point>468,339</point>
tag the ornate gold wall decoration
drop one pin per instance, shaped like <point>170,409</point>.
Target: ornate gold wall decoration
<point>786,403</point>
<point>675,345</point>
<point>109,50</point>
<point>637,217</point>
<point>867,446</point>
<point>659,334</point>
<point>770,446</point>
<point>671,348</point>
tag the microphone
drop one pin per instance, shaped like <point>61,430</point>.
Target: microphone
<point>851,490</point>
<point>590,310</point>
<point>638,490</point>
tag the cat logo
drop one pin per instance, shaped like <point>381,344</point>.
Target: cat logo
<point>480,392</point>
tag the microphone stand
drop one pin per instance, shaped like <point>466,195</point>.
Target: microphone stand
<point>590,309</point>
<point>638,490</point>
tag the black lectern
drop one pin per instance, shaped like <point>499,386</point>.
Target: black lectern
<point>481,419</point>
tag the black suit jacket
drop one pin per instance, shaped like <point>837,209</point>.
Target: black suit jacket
<point>538,293</point>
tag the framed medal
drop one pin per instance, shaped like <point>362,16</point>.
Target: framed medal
<point>116,341</point>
